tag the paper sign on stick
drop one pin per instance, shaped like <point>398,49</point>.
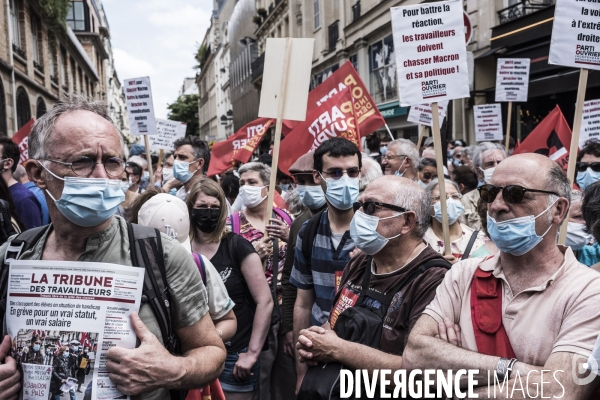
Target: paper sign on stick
<point>431,54</point>
<point>590,123</point>
<point>512,79</point>
<point>421,114</point>
<point>138,96</point>
<point>488,122</point>
<point>167,133</point>
<point>299,67</point>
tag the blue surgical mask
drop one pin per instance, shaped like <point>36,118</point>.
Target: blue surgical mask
<point>398,173</point>
<point>455,209</point>
<point>181,171</point>
<point>577,237</point>
<point>125,186</point>
<point>456,162</point>
<point>383,150</point>
<point>311,196</point>
<point>285,186</point>
<point>88,201</point>
<point>422,184</point>
<point>363,231</point>
<point>587,177</point>
<point>516,236</point>
<point>36,347</point>
<point>66,354</point>
<point>342,193</point>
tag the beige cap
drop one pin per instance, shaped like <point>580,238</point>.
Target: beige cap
<point>169,215</point>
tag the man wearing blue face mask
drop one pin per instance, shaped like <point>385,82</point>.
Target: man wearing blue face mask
<point>192,157</point>
<point>530,308</point>
<point>75,157</point>
<point>324,243</point>
<point>401,159</point>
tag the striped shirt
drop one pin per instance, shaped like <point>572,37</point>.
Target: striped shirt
<point>323,271</point>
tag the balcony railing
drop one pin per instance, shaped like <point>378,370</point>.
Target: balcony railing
<point>38,66</point>
<point>356,11</point>
<point>258,66</point>
<point>19,51</point>
<point>334,35</point>
<point>522,8</point>
<point>54,79</point>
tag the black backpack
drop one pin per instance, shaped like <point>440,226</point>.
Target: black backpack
<point>146,252</point>
<point>359,324</point>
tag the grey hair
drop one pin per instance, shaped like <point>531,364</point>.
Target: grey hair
<point>558,182</point>
<point>39,138</point>
<point>576,196</point>
<point>469,151</point>
<point>370,171</point>
<point>19,172</point>
<point>407,148</point>
<point>264,171</point>
<point>142,162</point>
<point>413,198</point>
<point>295,205</point>
<point>482,148</point>
<point>434,183</point>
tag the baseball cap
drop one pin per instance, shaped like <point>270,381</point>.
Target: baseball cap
<point>169,215</point>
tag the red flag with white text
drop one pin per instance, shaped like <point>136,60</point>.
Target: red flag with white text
<point>21,138</point>
<point>551,137</point>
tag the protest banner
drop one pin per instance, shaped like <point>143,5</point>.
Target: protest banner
<point>431,58</point>
<point>238,147</point>
<point>284,98</point>
<point>167,132</point>
<point>590,124</point>
<point>488,122</point>
<point>36,381</point>
<point>138,97</point>
<point>91,302</point>
<point>512,84</point>
<point>21,139</point>
<point>421,114</point>
<point>336,117</point>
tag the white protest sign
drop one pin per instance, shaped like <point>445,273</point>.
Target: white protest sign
<point>488,122</point>
<point>576,34</point>
<point>431,54</point>
<point>421,114</point>
<point>138,96</point>
<point>167,133</point>
<point>36,381</point>
<point>512,79</point>
<point>296,89</point>
<point>590,122</point>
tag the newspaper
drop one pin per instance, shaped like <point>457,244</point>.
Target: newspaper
<point>52,304</point>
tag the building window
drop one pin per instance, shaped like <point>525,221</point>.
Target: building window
<point>63,68</point>
<point>40,108</point>
<point>354,60</point>
<point>317,9</point>
<point>2,110</point>
<point>77,17</point>
<point>73,76</point>
<point>23,107</point>
<point>52,60</point>
<point>15,22</point>
<point>382,65</point>
<point>317,79</point>
<point>36,42</point>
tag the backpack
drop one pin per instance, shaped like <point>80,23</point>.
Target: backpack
<point>201,267</point>
<point>362,324</point>
<point>146,252</point>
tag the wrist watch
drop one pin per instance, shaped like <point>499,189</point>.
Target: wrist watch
<point>504,367</point>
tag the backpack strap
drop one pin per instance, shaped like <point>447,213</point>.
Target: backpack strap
<point>309,234</point>
<point>201,267</point>
<point>235,222</point>
<point>283,215</point>
<point>467,251</point>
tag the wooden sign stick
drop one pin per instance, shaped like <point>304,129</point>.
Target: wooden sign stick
<point>149,160</point>
<point>421,135</point>
<point>278,126</point>
<point>508,120</point>
<point>583,76</point>
<point>437,144</point>
<point>161,154</point>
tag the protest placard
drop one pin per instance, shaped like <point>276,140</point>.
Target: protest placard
<point>89,302</point>
<point>431,55</point>
<point>36,381</point>
<point>488,122</point>
<point>512,79</point>
<point>421,114</point>
<point>138,96</point>
<point>590,124</point>
<point>167,133</point>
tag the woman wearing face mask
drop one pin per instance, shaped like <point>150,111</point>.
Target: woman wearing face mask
<point>459,234</point>
<point>238,264</point>
<point>588,164</point>
<point>590,211</point>
<point>60,373</point>
<point>427,171</point>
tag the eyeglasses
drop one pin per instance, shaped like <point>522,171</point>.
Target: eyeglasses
<point>454,196</point>
<point>337,173</point>
<point>427,175</point>
<point>388,157</point>
<point>512,194</point>
<point>582,166</point>
<point>84,166</point>
<point>369,207</point>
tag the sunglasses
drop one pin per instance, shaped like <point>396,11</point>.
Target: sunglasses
<point>337,173</point>
<point>369,207</point>
<point>512,194</point>
<point>582,166</point>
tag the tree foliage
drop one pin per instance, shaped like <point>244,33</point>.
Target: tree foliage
<point>54,13</point>
<point>185,109</point>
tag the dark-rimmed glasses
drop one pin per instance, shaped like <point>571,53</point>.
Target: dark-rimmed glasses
<point>512,194</point>
<point>84,166</point>
<point>337,173</point>
<point>369,207</point>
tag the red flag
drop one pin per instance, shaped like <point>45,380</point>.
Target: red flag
<point>21,139</point>
<point>365,109</point>
<point>239,146</point>
<point>85,340</point>
<point>552,138</point>
<point>335,117</point>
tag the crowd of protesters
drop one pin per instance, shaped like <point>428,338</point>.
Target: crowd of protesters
<point>349,271</point>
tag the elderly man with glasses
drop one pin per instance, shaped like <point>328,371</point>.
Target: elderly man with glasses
<point>401,159</point>
<point>75,157</point>
<point>530,308</point>
<point>392,280</point>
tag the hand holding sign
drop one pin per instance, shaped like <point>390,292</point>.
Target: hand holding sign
<point>10,378</point>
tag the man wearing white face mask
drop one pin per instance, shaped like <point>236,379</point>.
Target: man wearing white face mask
<point>191,158</point>
<point>485,159</point>
<point>577,237</point>
<point>394,277</point>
